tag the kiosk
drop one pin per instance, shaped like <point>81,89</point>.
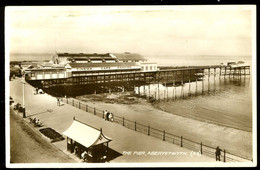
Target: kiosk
<point>82,137</point>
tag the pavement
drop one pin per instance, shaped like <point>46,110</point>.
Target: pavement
<point>133,147</point>
<point>27,146</point>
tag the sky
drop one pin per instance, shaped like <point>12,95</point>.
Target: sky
<point>148,30</point>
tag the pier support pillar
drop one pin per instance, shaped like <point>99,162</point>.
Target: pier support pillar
<point>182,89</point>
<point>189,93</point>
<point>196,87</point>
<point>208,85</point>
<point>149,92</point>
<point>202,85</point>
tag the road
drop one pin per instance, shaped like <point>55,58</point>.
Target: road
<point>29,147</point>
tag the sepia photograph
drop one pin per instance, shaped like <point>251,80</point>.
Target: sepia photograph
<point>130,86</point>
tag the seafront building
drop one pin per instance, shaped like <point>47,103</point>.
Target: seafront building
<point>76,69</point>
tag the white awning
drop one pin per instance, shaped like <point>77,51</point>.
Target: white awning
<point>85,135</point>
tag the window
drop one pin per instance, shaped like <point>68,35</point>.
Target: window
<point>146,68</point>
<point>151,67</point>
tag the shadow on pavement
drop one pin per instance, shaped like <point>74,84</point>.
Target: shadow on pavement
<point>47,111</point>
<point>112,154</point>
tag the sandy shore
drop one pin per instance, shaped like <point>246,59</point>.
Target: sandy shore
<point>232,140</point>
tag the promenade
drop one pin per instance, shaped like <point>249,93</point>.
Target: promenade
<point>131,145</point>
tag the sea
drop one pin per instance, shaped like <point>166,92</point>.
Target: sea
<point>226,101</point>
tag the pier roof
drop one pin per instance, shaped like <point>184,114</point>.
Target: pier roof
<point>128,56</point>
<point>80,65</point>
<point>83,55</point>
<point>119,56</point>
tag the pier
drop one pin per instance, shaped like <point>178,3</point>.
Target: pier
<point>165,77</point>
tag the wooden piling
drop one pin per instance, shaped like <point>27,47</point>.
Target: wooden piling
<point>155,91</point>
<point>159,86</point>
<point>149,92</point>
<point>201,147</point>
<point>182,89</point>
<point>164,93</point>
<point>181,141</point>
<point>196,87</point>
<point>224,159</point>
<point>189,89</point>
<point>202,85</point>
<point>144,90</point>
<point>208,85</point>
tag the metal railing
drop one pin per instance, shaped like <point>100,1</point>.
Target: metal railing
<point>161,134</point>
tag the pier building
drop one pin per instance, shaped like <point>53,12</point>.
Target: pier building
<point>110,69</point>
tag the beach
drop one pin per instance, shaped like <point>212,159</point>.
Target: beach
<point>233,140</point>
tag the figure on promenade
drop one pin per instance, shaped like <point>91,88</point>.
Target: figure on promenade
<point>76,150</point>
<point>58,102</point>
<point>105,114</point>
<point>110,117</point>
<point>84,156</point>
<point>218,153</point>
<point>34,120</point>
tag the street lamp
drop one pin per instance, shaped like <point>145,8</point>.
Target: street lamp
<point>23,81</point>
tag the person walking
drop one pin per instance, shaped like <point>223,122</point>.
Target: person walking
<point>105,114</point>
<point>218,153</point>
<point>58,102</point>
<point>110,117</point>
<point>84,156</point>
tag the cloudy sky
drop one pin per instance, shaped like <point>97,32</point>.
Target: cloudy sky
<point>153,30</point>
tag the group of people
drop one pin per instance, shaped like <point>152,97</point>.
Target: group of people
<point>36,122</point>
<point>108,116</point>
<point>37,91</point>
<point>84,156</point>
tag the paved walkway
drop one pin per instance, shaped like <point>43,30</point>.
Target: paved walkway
<point>26,146</point>
<point>134,146</point>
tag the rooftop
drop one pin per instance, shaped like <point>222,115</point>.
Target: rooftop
<point>79,65</point>
<point>120,56</point>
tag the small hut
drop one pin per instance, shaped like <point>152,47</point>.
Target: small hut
<point>82,137</point>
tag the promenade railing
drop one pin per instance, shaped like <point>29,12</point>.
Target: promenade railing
<point>161,134</point>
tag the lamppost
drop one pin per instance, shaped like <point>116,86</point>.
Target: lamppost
<point>23,81</point>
